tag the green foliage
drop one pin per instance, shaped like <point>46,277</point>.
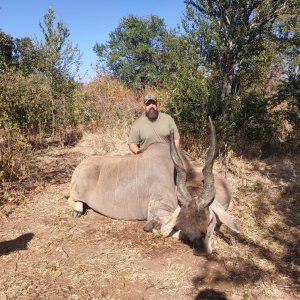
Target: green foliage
<point>289,97</point>
<point>24,102</point>
<point>135,52</point>
<point>6,50</point>
<point>255,118</point>
<point>26,56</point>
<point>20,54</point>
<point>189,97</point>
<point>60,63</point>
<point>37,90</point>
<point>42,103</point>
<point>244,49</point>
<point>60,59</point>
<point>230,35</point>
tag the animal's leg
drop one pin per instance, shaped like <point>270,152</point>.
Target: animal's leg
<point>167,228</point>
<point>162,215</point>
<point>77,207</point>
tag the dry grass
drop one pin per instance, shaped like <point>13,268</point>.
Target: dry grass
<point>268,214</point>
<point>111,109</point>
<point>98,258</point>
<point>101,142</point>
<point>48,255</point>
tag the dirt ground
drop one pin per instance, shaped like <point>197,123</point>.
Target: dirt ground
<point>45,254</point>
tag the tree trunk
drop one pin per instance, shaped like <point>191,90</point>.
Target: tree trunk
<point>227,87</point>
<point>226,90</point>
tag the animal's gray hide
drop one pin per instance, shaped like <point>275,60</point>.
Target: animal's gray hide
<point>131,187</point>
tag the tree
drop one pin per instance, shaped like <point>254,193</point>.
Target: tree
<point>230,34</point>
<point>136,50</point>
<point>6,50</point>
<point>60,64</point>
<point>26,56</point>
<point>288,29</point>
<point>188,89</point>
<point>59,55</point>
<point>18,53</point>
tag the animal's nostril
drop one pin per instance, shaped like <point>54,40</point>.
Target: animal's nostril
<point>198,246</point>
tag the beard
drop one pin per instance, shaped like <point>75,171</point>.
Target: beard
<point>152,114</point>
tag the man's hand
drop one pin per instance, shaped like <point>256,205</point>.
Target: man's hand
<point>134,148</point>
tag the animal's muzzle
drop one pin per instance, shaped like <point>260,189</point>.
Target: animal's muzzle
<point>200,248</point>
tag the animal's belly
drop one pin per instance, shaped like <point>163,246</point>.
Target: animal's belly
<point>128,205</point>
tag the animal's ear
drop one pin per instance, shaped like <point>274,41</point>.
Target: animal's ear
<point>223,216</point>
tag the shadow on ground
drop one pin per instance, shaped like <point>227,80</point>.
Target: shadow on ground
<point>284,174</point>
<point>20,243</point>
<point>271,251</point>
<point>211,294</point>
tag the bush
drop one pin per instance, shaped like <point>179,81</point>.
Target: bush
<point>25,103</point>
<point>15,155</point>
<point>105,102</point>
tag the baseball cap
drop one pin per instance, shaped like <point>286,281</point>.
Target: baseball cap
<point>150,97</point>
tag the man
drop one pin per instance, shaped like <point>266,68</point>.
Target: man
<point>152,127</point>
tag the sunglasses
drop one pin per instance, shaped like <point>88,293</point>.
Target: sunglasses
<point>151,102</point>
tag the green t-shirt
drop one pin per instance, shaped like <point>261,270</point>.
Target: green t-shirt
<point>144,132</point>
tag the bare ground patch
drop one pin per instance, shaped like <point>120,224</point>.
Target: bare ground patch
<point>45,254</point>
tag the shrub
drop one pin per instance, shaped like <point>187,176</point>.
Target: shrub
<point>105,102</point>
<point>15,155</point>
<point>25,103</point>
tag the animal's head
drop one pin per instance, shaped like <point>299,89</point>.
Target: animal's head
<point>199,215</point>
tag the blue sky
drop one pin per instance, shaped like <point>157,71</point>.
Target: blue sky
<point>89,21</point>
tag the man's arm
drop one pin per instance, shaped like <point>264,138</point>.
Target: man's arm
<point>176,132</point>
<point>134,148</point>
<point>133,139</point>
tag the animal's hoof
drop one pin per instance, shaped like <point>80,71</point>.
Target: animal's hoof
<point>76,214</point>
<point>152,224</point>
<point>148,227</point>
